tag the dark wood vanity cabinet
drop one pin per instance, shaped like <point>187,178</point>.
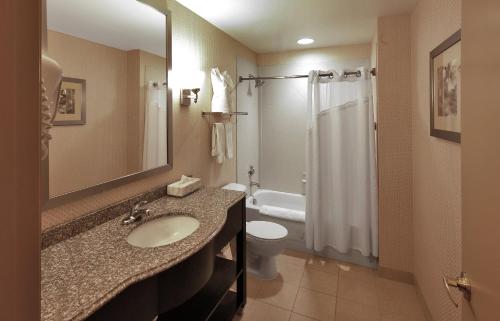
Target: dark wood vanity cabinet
<point>199,288</point>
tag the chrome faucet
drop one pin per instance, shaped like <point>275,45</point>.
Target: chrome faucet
<point>136,213</point>
<point>251,172</point>
<point>254,184</point>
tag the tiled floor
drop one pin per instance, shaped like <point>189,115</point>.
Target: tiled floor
<point>310,288</point>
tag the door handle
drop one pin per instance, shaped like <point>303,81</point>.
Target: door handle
<point>462,283</point>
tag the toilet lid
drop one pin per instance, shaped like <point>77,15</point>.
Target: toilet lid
<point>266,230</point>
<point>235,187</point>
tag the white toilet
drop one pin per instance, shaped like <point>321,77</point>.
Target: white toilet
<point>265,240</point>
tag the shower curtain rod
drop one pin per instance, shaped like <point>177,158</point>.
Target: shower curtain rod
<point>330,74</point>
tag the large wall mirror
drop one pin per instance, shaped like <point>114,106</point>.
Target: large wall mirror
<point>113,117</point>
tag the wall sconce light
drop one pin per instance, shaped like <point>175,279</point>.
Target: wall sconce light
<point>187,95</point>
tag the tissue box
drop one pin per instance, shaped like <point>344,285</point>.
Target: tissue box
<point>186,185</point>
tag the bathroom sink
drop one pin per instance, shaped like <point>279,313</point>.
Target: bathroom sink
<point>163,231</point>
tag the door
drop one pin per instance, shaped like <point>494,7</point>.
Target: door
<point>481,157</point>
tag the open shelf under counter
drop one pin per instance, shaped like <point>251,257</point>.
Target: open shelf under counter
<point>215,301</point>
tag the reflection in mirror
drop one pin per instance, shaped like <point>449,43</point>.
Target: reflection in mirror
<point>111,117</point>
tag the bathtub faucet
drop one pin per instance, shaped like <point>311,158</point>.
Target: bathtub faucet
<point>251,172</point>
<point>252,184</point>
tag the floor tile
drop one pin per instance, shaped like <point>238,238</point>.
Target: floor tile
<point>290,273</point>
<point>320,281</point>
<point>359,290</point>
<point>399,317</point>
<point>292,257</point>
<point>278,293</point>
<point>396,298</point>
<point>253,286</point>
<point>259,311</point>
<point>352,311</point>
<point>322,264</point>
<point>356,271</point>
<point>299,317</point>
<point>315,305</point>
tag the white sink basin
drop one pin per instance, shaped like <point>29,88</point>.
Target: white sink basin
<point>162,231</point>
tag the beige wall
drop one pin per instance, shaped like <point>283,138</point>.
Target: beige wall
<point>197,46</point>
<point>480,157</point>
<point>74,149</point>
<point>134,119</point>
<point>19,165</point>
<point>394,142</point>
<point>436,166</point>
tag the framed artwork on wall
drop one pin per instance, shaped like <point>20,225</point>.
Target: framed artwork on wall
<point>445,74</point>
<point>71,106</point>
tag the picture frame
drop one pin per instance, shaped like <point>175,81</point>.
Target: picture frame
<point>445,85</point>
<point>71,107</point>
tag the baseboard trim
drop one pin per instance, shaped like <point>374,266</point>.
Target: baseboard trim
<point>396,275</point>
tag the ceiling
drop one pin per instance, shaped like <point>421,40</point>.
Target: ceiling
<point>120,24</point>
<point>276,25</point>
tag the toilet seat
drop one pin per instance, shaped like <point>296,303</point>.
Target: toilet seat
<point>267,231</point>
<point>235,187</point>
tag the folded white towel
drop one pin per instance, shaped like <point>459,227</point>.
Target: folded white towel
<point>218,143</point>
<point>284,213</point>
<point>229,140</point>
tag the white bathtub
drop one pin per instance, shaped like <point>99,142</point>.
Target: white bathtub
<point>297,202</point>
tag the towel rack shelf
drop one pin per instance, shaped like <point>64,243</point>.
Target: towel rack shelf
<point>236,113</point>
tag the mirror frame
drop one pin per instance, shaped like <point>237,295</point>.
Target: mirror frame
<point>48,203</point>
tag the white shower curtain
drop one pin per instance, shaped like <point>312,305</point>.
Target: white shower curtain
<point>155,126</point>
<point>341,191</point>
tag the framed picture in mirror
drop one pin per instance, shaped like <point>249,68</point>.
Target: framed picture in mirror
<point>71,105</point>
<point>445,73</point>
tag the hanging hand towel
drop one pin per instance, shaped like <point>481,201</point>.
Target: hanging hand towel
<point>218,144</point>
<point>222,86</point>
<point>229,140</point>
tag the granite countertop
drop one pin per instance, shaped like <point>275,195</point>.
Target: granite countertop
<point>82,273</point>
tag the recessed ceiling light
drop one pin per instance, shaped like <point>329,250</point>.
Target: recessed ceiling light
<point>305,41</point>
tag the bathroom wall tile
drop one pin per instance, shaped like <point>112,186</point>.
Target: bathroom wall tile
<point>352,311</point>
<point>315,305</point>
<point>359,290</point>
<point>322,264</point>
<point>320,281</point>
<point>278,293</point>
